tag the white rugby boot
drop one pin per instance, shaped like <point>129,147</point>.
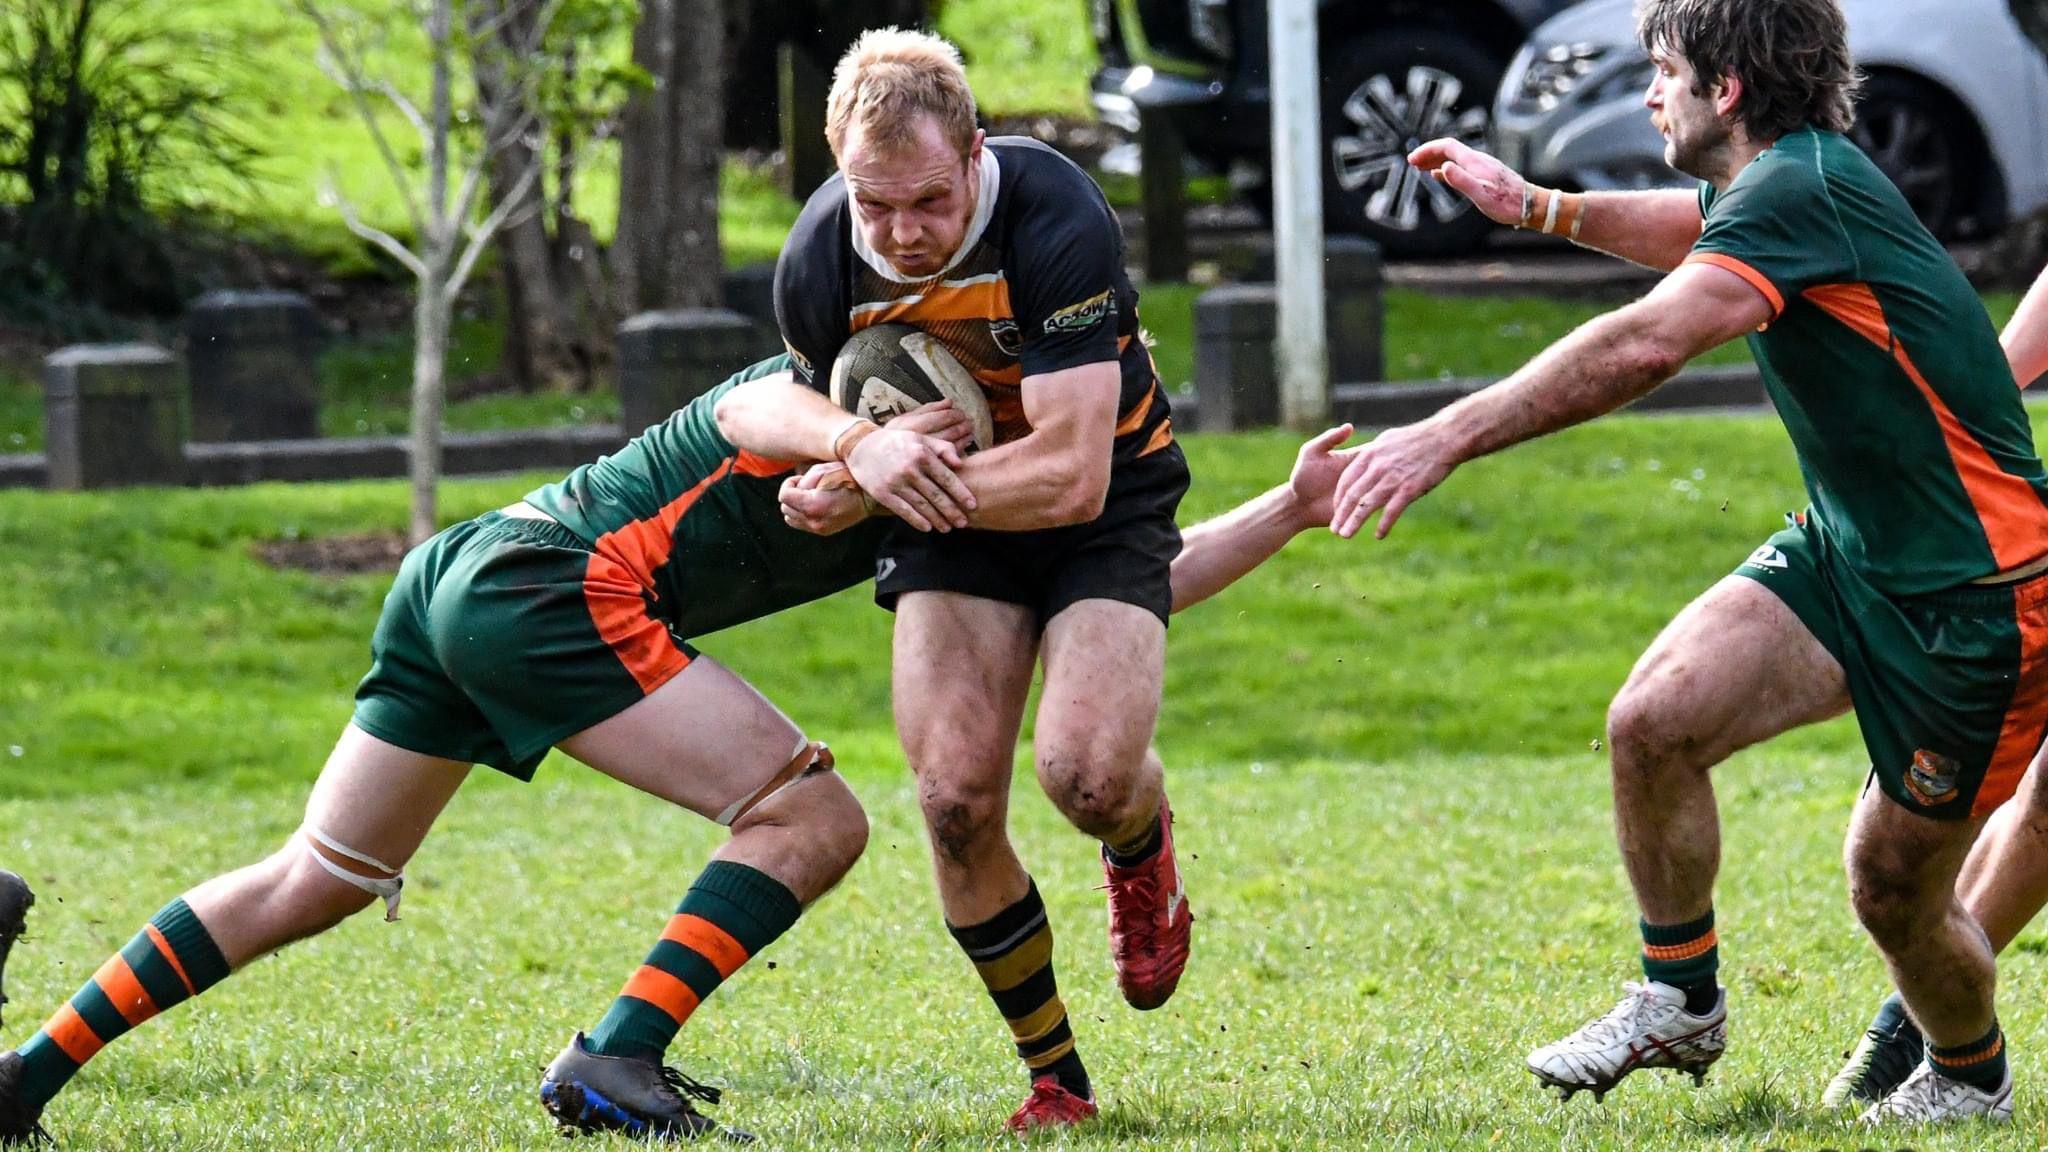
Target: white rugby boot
<point>1650,1028</point>
<point>1928,1097</point>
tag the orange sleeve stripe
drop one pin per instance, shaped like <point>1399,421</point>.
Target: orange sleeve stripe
<point>750,464</point>
<point>709,941</point>
<point>2014,520</point>
<point>163,948</point>
<point>69,1031</point>
<point>119,985</point>
<point>2026,714</point>
<point>1161,437</point>
<point>1756,279</point>
<point>1685,951</point>
<point>662,990</point>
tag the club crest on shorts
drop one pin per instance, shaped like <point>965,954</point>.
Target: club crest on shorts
<point>1932,778</point>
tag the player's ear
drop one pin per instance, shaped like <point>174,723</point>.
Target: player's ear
<point>1727,93</point>
<point>974,148</point>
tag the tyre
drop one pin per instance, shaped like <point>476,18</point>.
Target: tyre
<point>1920,141</point>
<point>1384,92</point>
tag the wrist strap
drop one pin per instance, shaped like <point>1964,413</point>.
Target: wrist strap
<point>840,448</point>
<point>1551,212</point>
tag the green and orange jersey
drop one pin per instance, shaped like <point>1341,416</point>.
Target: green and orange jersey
<point>1038,285</point>
<point>1910,433</point>
<point>694,522</point>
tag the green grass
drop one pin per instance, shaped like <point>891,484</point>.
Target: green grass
<point>1393,826</point>
<point>1394,829</point>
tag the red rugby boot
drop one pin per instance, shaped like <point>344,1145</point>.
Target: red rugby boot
<point>1148,921</point>
<point>1050,1105</point>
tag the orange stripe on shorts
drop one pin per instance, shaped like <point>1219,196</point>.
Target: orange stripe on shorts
<point>118,983</point>
<point>163,948</point>
<point>69,1031</point>
<point>709,941</point>
<point>663,991</point>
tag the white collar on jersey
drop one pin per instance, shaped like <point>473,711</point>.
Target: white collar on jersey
<point>984,207</point>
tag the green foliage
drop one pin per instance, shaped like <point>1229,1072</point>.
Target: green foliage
<point>108,110</point>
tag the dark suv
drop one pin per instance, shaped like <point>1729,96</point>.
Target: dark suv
<point>1395,73</point>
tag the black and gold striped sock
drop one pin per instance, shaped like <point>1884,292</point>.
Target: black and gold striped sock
<point>1980,1063</point>
<point>170,961</point>
<point>1013,953</point>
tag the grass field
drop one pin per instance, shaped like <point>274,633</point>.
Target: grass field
<point>1394,829</point>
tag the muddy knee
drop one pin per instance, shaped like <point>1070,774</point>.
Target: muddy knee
<point>963,816</point>
<point>1100,794</point>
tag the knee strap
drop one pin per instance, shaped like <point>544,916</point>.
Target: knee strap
<point>386,889</point>
<point>811,757</point>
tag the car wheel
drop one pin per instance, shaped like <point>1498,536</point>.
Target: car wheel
<point>1384,92</point>
<point>1905,127</point>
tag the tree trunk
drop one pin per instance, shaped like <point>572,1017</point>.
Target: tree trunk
<point>666,253</point>
<point>429,388</point>
<point>539,345</point>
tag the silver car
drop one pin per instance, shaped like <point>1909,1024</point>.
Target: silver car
<point>1952,107</point>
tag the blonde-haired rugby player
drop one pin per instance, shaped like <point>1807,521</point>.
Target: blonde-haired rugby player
<point>1053,546</point>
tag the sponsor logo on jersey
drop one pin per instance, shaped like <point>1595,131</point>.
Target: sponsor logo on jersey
<point>1932,778</point>
<point>1009,341</point>
<point>1766,557</point>
<point>803,364</point>
<point>1081,316</point>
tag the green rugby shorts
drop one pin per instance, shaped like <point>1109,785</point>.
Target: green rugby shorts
<point>1950,688</point>
<point>502,637</point>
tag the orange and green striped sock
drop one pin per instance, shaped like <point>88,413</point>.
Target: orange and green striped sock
<point>1980,1063</point>
<point>1687,957</point>
<point>729,914</point>
<point>170,961</point>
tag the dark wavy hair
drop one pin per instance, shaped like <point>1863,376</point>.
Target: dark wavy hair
<point>1792,57</point>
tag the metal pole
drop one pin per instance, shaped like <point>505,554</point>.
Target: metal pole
<point>1298,214</point>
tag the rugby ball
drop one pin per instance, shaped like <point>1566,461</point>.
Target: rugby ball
<point>886,370</point>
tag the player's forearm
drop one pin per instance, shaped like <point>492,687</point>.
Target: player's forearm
<point>1217,553</point>
<point>2025,338</point>
<point>1604,364</point>
<point>1042,480</point>
<point>1655,229</point>
<point>775,416</point>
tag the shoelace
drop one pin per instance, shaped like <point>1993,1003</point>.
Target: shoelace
<point>1142,890</point>
<point>692,1089</point>
<point>1920,1097</point>
<point>1623,1020</point>
<point>1049,1097</point>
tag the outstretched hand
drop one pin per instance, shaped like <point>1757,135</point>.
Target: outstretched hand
<point>1317,467</point>
<point>1392,472</point>
<point>1492,187</point>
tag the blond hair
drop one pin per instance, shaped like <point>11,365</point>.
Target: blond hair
<point>886,78</point>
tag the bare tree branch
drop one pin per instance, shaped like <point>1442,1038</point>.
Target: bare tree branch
<point>382,239</point>
<point>406,108</point>
<point>515,202</point>
<point>347,72</point>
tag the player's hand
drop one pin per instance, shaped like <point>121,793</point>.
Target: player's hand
<point>1313,483</point>
<point>940,420</point>
<point>822,500</point>
<point>1387,475</point>
<point>914,477</point>
<point>1492,187</point>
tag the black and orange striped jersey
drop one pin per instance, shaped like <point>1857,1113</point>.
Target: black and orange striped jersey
<point>1885,368</point>
<point>1038,285</point>
<point>695,522</point>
